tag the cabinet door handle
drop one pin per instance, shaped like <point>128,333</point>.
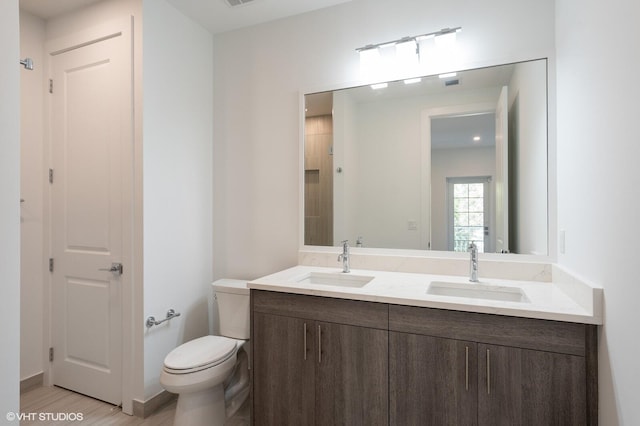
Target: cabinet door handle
<point>319,345</point>
<point>488,372</point>
<point>305,341</point>
<point>466,367</point>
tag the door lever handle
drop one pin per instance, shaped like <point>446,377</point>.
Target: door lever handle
<point>116,268</point>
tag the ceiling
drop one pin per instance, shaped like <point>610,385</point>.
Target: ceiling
<point>215,15</point>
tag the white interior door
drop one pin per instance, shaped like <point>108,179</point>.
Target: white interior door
<point>91,110</point>
<point>502,173</point>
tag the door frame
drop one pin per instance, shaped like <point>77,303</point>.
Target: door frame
<point>426,116</point>
<point>124,27</point>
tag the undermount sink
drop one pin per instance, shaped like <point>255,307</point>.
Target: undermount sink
<point>478,291</point>
<point>334,279</point>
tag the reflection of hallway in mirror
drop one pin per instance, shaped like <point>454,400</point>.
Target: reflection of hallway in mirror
<point>318,181</point>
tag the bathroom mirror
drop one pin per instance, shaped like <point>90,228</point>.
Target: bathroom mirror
<point>432,163</point>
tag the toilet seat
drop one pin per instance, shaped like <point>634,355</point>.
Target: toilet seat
<point>200,354</point>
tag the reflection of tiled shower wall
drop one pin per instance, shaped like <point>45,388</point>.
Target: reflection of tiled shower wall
<point>318,181</point>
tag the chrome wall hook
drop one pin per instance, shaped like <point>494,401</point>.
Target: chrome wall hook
<point>27,63</point>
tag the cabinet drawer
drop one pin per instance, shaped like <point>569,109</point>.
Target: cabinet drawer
<point>554,336</point>
<point>342,311</point>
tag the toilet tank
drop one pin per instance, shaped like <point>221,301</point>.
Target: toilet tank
<point>232,297</point>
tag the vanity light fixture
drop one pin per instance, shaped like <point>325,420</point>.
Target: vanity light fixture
<point>403,55</point>
<point>412,80</point>
<point>379,86</point>
<point>447,75</point>
<point>476,138</point>
<point>415,39</point>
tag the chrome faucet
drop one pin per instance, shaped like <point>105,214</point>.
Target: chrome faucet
<point>473,266</point>
<point>344,256</point>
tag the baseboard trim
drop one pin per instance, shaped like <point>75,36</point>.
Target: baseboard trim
<point>29,383</point>
<point>144,409</point>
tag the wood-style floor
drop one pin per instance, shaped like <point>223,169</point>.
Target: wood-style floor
<point>50,401</point>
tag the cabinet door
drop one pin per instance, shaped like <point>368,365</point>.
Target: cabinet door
<point>432,381</point>
<point>529,387</point>
<point>352,375</point>
<point>283,371</point>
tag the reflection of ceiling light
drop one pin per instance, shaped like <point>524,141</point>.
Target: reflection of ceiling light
<point>379,86</point>
<point>448,75</point>
<point>412,80</point>
<point>476,138</point>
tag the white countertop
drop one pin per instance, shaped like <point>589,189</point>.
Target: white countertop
<point>547,300</point>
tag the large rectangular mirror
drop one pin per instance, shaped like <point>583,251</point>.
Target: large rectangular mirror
<point>432,163</point>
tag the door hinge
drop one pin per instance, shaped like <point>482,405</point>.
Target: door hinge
<point>50,85</point>
<point>51,264</point>
<point>50,354</point>
<point>50,175</point>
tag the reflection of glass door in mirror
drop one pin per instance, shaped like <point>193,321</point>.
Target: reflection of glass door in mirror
<point>469,210</point>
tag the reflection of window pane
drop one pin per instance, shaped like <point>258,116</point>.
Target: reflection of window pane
<point>477,233</point>
<point>461,219</point>
<point>460,246</point>
<point>468,216</point>
<point>460,190</point>
<point>476,190</point>
<point>476,219</point>
<point>461,204</point>
<point>461,233</point>
<point>476,205</point>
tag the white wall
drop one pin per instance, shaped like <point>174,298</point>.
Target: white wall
<point>32,271</point>
<point>528,89</point>
<point>598,180</point>
<point>260,71</point>
<point>343,153</point>
<point>10,207</point>
<point>385,175</point>
<point>177,180</point>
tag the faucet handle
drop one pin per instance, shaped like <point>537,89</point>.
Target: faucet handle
<point>345,244</point>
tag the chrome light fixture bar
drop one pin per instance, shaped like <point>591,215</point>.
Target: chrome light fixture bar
<point>416,39</point>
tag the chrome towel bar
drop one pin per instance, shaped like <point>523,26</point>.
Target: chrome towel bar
<point>151,321</point>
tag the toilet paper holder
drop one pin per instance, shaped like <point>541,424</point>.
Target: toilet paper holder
<point>151,321</point>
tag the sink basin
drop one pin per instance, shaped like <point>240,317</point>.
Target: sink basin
<point>477,291</point>
<point>334,279</point>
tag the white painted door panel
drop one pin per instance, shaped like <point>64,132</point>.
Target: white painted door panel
<point>90,133</point>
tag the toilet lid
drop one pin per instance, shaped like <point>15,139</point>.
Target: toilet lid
<point>200,352</point>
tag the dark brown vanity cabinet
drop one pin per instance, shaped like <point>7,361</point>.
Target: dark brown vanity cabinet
<point>461,368</point>
<point>318,360</point>
<point>431,380</point>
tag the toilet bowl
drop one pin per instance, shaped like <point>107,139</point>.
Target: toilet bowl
<point>210,374</point>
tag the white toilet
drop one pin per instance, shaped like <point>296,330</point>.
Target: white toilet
<point>210,374</point>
